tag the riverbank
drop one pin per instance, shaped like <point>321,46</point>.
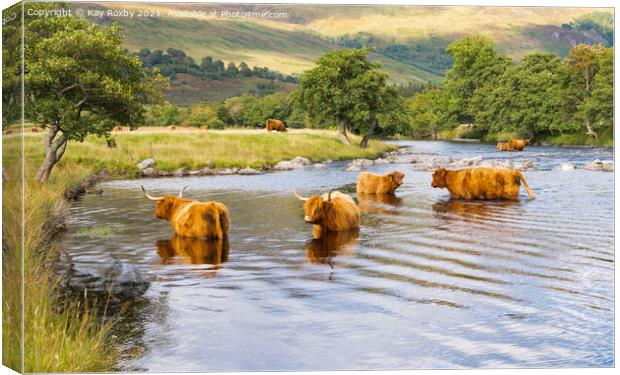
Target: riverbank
<point>199,149</point>
<point>60,335</point>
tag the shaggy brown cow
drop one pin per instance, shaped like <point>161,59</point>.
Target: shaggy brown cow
<point>172,127</point>
<point>503,146</point>
<point>375,184</point>
<point>330,244</point>
<point>481,183</point>
<point>8,132</point>
<point>330,212</point>
<point>191,218</point>
<point>186,250</point>
<point>276,125</point>
<point>518,144</point>
<point>34,130</point>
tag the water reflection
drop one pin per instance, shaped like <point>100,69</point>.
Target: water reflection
<point>331,244</point>
<point>473,210</point>
<point>382,204</point>
<point>185,250</point>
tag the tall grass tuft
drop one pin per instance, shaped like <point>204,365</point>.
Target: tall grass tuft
<point>59,335</point>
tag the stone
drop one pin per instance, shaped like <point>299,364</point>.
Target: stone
<point>249,171</point>
<point>295,163</point>
<point>149,172</point>
<point>600,165</point>
<point>353,168</point>
<point>381,161</point>
<point>361,163</point>
<point>319,166</point>
<point>146,163</point>
<point>180,172</point>
<point>468,161</point>
<point>566,167</point>
<point>227,171</point>
<point>206,171</point>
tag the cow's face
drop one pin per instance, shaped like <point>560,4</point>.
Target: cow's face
<point>526,142</point>
<point>439,178</point>
<point>313,209</point>
<point>164,206</point>
<point>397,178</point>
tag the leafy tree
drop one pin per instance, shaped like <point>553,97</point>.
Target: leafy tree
<point>346,89</point>
<point>79,80</point>
<point>428,113</point>
<point>526,98</point>
<point>232,70</point>
<point>11,66</point>
<point>244,70</point>
<point>598,109</point>
<point>475,64</point>
<point>581,63</point>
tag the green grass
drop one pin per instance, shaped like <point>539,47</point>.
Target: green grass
<point>59,335</point>
<point>605,139</point>
<point>198,149</point>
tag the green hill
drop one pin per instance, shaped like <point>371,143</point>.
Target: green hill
<point>409,41</point>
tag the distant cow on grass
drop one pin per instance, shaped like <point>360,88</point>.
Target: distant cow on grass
<point>191,218</point>
<point>481,183</point>
<point>375,184</point>
<point>118,129</point>
<point>34,130</point>
<point>276,125</point>
<point>171,128</point>
<point>8,132</point>
<point>330,212</point>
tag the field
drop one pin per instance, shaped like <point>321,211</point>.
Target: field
<point>194,149</point>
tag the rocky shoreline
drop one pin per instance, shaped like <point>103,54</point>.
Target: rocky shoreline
<point>420,162</point>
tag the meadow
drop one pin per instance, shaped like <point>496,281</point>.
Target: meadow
<point>195,149</point>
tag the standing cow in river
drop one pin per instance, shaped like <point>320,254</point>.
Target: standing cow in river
<point>518,144</point>
<point>276,125</point>
<point>481,183</point>
<point>330,212</point>
<point>190,218</point>
<point>375,184</point>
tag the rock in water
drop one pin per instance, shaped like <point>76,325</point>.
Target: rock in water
<point>249,171</point>
<point>361,163</point>
<point>146,163</point>
<point>566,167</point>
<point>601,165</point>
<point>353,168</point>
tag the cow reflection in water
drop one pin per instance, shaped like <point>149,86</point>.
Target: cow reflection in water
<point>385,204</point>
<point>321,250</point>
<point>474,210</point>
<point>185,250</point>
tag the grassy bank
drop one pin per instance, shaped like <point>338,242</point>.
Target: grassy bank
<point>198,149</point>
<point>60,335</point>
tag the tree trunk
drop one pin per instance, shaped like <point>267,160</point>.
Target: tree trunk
<point>342,132</point>
<point>366,138</point>
<point>55,147</point>
<point>590,131</point>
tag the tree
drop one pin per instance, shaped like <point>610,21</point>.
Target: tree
<point>527,98</point>
<point>244,70</point>
<point>475,64</point>
<point>231,70</point>
<point>428,112</point>
<point>582,62</point>
<point>11,66</point>
<point>345,88</point>
<point>80,80</point>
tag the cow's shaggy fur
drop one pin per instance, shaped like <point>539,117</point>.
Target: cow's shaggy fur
<point>276,125</point>
<point>376,184</point>
<point>194,219</point>
<point>331,212</point>
<point>481,183</point>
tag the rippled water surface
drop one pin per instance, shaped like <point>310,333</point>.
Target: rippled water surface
<point>426,283</point>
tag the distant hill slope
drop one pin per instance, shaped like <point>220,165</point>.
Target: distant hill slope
<point>291,45</point>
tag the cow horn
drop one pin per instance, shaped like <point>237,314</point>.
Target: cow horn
<point>299,196</point>
<point>149,196</point>
<point>329,196</point>
<point>182,190</point>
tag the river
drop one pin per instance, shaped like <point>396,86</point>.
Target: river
<point>426,283</point>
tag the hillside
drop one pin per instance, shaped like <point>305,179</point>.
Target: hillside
<point>400,35</point>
